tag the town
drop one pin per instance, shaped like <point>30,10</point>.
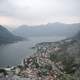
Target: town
<point>49,62</point>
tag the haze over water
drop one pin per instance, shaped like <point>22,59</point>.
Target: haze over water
<point>12,54</point>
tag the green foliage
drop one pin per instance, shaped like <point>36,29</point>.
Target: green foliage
<point>77,75</point>
<point>20,67</point>
<point>53,56</point>
<point>35,64</point>
<point>3,71</point>
<point>44,71</point>
<point>66,59</point>
<point>48,67</point>
<point>66,77</point>
<point>68,63</point>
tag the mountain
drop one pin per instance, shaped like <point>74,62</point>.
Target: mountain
<point>7,37</point>
<point>77,36</point>
<point>51,29</point>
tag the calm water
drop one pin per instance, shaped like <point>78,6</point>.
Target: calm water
<point>12,54</point>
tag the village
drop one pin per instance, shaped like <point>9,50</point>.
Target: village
<point>40,65</point>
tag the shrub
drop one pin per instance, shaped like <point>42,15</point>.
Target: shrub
<point>3,71</point>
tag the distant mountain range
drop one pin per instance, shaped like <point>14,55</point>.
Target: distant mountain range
<point>51,29</point>
<point>7,37</point>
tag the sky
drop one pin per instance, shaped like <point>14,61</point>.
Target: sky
<point>37,12</point>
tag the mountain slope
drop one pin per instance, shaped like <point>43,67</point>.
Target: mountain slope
<point>52,29</point>
<point>7,37</point>
<point>77,36</point>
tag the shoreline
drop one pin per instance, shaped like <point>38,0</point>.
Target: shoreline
<point>40,65</point>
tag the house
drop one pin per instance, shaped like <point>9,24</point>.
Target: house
<point>17,70</point>
<point>1,74</point>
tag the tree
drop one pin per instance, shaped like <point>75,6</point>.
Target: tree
<point>68,63</point>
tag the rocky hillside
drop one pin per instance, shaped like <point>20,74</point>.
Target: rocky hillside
<point>53,61</point>
<point>65,55</point>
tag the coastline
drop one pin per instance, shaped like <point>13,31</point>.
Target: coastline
<point>40,66</point>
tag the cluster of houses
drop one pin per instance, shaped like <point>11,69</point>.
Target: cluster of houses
<point>33,66</point>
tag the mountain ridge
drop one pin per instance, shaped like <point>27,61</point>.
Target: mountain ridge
<point>50,29</point>
<point>7,37</point>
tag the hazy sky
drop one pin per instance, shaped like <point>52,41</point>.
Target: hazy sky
<point>35,12</point>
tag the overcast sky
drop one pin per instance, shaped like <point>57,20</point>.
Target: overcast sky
<point>35,12</point>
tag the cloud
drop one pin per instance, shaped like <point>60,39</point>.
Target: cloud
<point>40,11</point>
